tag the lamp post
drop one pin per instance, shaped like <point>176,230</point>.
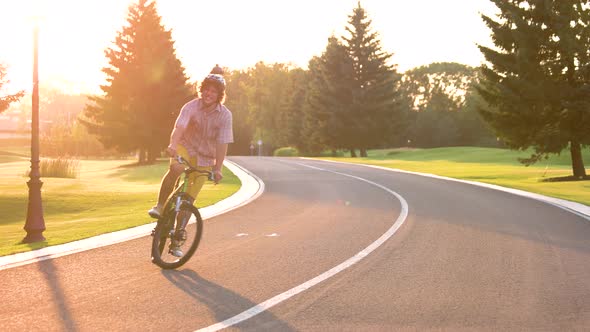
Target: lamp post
<point>35,224</point>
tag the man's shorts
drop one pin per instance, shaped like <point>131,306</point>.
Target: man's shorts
<point>196,180</point>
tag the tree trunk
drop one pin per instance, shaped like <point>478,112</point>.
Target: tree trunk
<point>363,152</point>
<point>577,161</point>
<point>141,156</point>
<point>153,153</point>
<point>151,156</point>
<point>352,153</point>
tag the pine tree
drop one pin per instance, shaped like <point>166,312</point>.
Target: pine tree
<point>538,82</point>
<point>6,100</point>
<point>314,114</point>
<point>328,119</point>
<point>146,87</point>
<point>374,84</point>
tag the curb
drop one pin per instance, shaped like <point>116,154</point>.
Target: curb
<point>578,209</point>
<point>252,187</point>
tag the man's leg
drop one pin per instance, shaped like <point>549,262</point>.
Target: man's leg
<point>168,183</point>
<point>166,187</point>
<point>196,182</point>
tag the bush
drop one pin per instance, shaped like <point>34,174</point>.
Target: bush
<point>286,152</point>
<point>58,168</point>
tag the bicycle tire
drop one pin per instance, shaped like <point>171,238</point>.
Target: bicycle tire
<point>163,235</point>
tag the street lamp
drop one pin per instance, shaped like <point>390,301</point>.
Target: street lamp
<point>35,224</point>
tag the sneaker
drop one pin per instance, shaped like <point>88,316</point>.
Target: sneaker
<point>155,212</point>
<point>180,236</point>
<point>175,250</point>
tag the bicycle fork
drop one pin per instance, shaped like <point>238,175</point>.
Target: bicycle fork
<point>182,217</point>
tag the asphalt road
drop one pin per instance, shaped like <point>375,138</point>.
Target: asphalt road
<point>397,252</point>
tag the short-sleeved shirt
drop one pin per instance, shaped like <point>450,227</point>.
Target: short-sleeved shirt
<point>204,130</point>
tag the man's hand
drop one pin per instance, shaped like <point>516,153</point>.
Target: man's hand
<point>217,176</point>
<point>171,152</point>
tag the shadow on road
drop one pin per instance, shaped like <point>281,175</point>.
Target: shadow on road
<point>50,274</point>
<point>222,302</point>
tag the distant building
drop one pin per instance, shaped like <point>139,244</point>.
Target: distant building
<point>10,122</point>
<point>13,126</point>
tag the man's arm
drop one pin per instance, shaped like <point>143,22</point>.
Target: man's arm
<point>220,153</point>
<point>180,125</point>
<point>174,140</point>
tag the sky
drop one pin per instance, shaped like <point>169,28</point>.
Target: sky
<point>233,33</point>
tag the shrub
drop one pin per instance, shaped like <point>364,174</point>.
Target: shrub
<point>58,168</point>
<point>286,152</point>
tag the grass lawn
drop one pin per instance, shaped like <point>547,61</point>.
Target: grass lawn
<point>494,166</point>
<point>107,196</point>
<point>111,195</point>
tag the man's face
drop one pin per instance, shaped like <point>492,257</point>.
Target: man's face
<point>209,95</point>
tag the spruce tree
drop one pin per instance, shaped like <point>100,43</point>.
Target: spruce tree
<point>374,83</point>
<point>538,78</point>
<point>146,87</point>
<point>328,119</point>
<point>314,123</point>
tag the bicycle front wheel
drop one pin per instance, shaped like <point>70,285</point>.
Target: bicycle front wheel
<point>169,250</point>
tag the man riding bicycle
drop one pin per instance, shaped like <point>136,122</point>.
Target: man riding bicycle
<point>201,135</point>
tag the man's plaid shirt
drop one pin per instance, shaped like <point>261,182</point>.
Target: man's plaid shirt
<point>204,130</point>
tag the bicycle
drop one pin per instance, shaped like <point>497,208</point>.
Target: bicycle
<point>174,228</point>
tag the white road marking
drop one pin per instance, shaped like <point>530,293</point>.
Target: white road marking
<point>272,235</point>
<point>579,209</point>
<point>241,234</point>
<point>257,309</point>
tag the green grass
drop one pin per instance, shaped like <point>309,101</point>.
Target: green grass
<point>9,154</point>
<point>107,196</point>
<point>488,165</point>
<point>111,195</point>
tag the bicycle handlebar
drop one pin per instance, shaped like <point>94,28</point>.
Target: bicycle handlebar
<point>191,169</point>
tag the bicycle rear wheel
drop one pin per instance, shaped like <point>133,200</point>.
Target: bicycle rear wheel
<point>164,234</point>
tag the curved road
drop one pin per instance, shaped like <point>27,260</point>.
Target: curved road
<point>456,257</point>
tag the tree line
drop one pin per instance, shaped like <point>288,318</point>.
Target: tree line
<point>532,95</point>
<point>349,98</point>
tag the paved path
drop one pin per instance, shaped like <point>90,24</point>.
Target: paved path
<point>331,246</point>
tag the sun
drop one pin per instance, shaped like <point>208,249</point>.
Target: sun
<point>72,39</point>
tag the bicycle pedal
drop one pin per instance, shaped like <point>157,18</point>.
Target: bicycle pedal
<point>176,252</point>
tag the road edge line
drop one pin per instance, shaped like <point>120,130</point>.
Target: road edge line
<point>576,208</point>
